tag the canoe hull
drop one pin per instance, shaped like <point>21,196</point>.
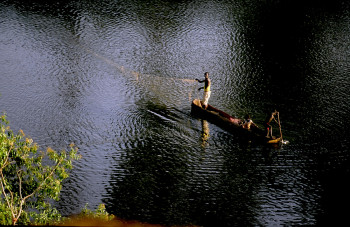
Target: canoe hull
<point>229,123</point>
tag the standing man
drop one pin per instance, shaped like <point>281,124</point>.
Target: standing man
<point>206,88</point>
<point>267,125</point>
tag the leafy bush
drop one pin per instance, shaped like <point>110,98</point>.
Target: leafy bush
<point>87,217</point>
<point>29,178</point>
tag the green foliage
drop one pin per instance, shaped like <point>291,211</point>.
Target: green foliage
<point>5,215</point>
<point>99,213</point>
<point>29,178</point>
<point>46,215</point>
<point>87,217</point>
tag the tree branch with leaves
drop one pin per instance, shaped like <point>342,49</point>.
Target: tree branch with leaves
<point>29,178</point>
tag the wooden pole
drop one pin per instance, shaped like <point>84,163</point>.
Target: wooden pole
<point>279,123</point>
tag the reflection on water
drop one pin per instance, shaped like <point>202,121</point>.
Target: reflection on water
<point>116,78</point>
<point>205,134</point>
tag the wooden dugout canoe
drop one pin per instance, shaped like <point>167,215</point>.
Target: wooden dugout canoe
<point>230,123</point>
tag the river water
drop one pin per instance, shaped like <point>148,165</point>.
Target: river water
<point>116,79</point>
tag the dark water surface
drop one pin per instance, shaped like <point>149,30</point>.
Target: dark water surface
<point>114,77</point>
